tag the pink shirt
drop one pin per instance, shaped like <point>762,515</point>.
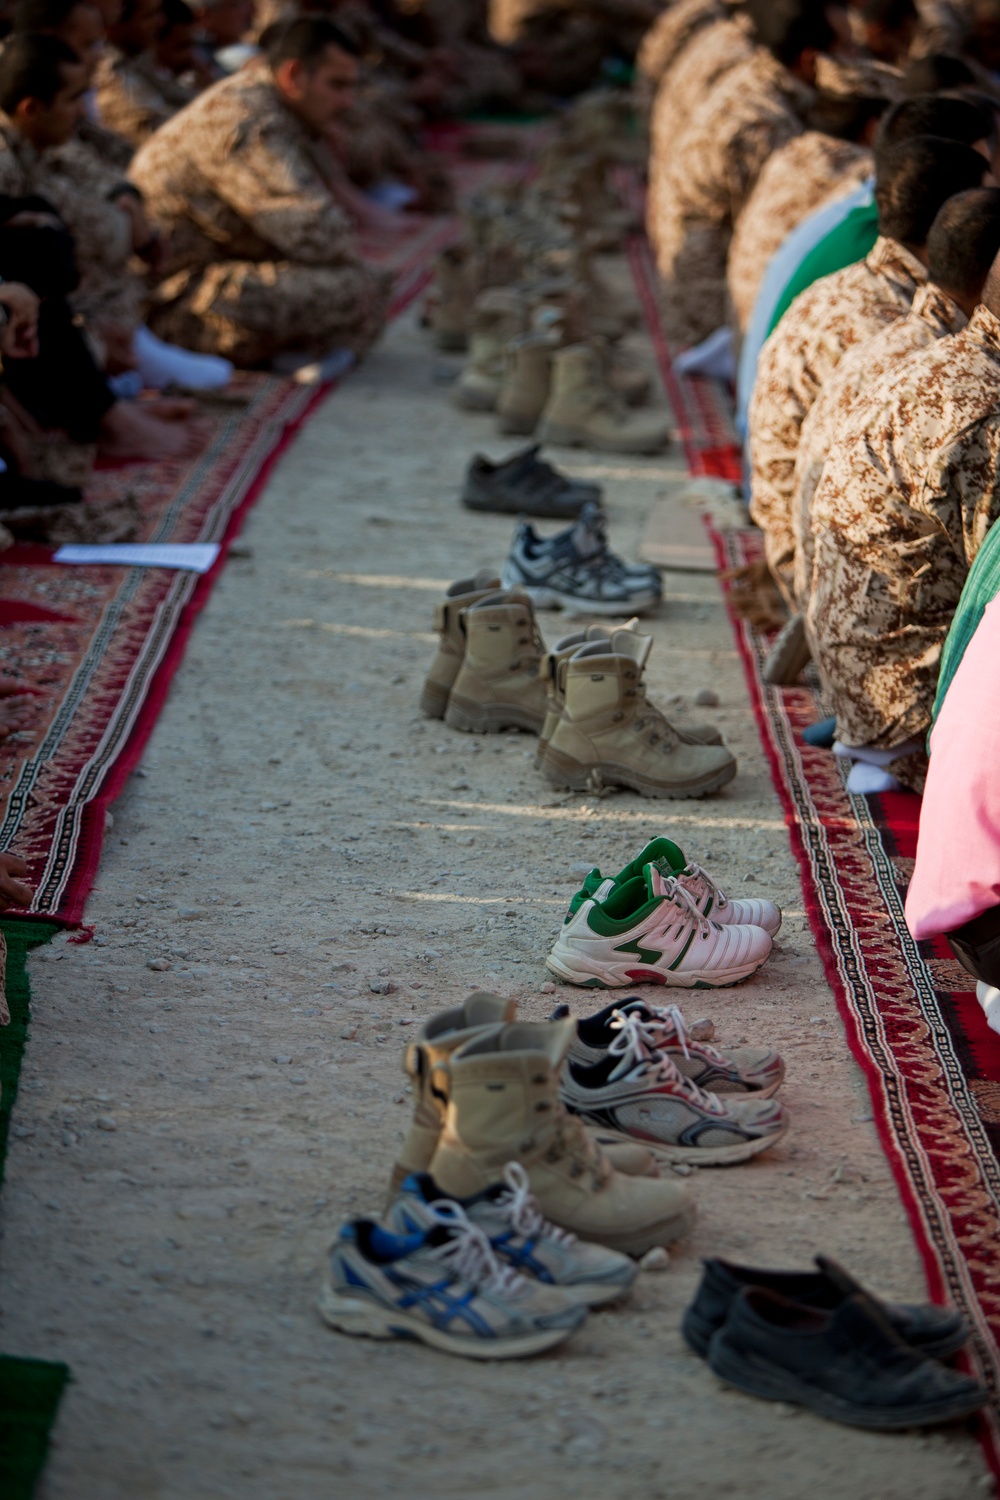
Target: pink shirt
<point>957,873</point>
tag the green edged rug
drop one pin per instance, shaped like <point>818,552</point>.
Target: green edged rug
<point>29,1388</point>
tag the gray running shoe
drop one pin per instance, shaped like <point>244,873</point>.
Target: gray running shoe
<point>577,571</point>
<point>509,1216</point>
<point>525,485</point>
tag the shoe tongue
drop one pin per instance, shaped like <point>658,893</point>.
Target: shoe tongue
<point>667,854</point>
<point>587,535</point>
<point>656,878</point>
<point>841,1279</point>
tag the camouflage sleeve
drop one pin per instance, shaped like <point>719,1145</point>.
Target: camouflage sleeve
<point>962,490</point>
<point>272,184</point>
<point>777,412</point>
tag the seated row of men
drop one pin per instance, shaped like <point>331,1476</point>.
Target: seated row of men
<point>874,425</point>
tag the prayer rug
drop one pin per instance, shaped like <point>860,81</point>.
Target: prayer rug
<point>910,1013</point>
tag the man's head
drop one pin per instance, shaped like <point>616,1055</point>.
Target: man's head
<point>42,88</point>
<point>887,28</point>
<point>963,243</point>
<point>914,178</point>
<point>77,22</point>
<point>315,68</point>
<point>935,74</point>
<point>848,117</point>
<point>175,45</point>
<point>137,27</point>
<point>795,31</point>
<point>224,22</point>
<point>967,120</point>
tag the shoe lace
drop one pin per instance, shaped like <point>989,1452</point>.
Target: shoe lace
<point>635,1045</point>
<point>648,717</point>
<point>665,1022</point>
<point>469,1255</point>
<point>697,874</point>
<point>687,907</point>
<point>530,638</point>
<point>521,1207</point>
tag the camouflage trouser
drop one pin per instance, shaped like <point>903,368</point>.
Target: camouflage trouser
<point>251,311</point>
<point>691,258</point>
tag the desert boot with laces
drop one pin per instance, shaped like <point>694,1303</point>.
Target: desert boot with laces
<point>451,640</point>
<point>504,1105</point>
<point>499,684</point>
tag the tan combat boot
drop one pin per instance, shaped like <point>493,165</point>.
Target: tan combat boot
<point>499,685</point>
<point>455,292</point>
<point>425,1063</point>
<point>504,1105</point>
<point>499,315</point>
<point>611,735</point>
<point>526,381</point>
<point>583,411</point>
<point>629,642</point>
<point>438,1039</point>
<point>451,643</point>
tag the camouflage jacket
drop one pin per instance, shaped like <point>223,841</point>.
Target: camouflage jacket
<point>134,97</point>
<point>933,316</point>
<point>235,176</point>
<point>670,33</point>
<point>797,361</point>
<point>905,500</point>
<point>798,178</point>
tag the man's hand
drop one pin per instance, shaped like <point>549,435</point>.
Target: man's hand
<point>13,892</point>
<point>19,339</point>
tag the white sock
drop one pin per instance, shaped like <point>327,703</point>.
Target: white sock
<point>865,778</point>
<point>989,998</point>
<point>875,757</point>
<point>308,371</point>
<point>162,364</point>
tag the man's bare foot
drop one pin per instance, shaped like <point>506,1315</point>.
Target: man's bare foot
<point>13,892</point>
<point>159,430</point>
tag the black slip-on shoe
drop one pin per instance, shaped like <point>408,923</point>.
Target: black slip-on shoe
<point>848,1365</point>
<point>937,1331</point>
<point>525,484</point>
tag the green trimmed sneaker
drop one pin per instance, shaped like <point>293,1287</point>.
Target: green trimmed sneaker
<point>650,931</point>
<point>710,900</point>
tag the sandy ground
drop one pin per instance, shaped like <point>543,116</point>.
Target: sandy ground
<point>297,837</point>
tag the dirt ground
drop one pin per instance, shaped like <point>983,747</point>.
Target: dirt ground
<point>321,869</point>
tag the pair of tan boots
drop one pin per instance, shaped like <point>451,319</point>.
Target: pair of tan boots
<point>486,1092</point>
<point>585,699</point>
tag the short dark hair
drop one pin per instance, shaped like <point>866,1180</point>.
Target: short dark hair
<point>305,40</point>
<point>173,13</point>
<point>935,73</point>
<point>914,178</point>
<point>964,241</point>
<point>845,116</point>
<point>31,67</point>
<point>788,27</point>
<point>40,16</point>
<point>935,114</point>
<point>892,15</point>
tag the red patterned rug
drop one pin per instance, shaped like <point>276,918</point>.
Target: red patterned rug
<point>912,1020</point>
<point>96,647</point>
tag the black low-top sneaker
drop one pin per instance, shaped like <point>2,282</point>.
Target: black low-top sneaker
<point>936,1331</point>
<point>525,484</point>
<point>848,1365</point>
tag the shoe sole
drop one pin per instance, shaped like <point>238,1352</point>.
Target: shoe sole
<point>647,1237</point>
<point>758,1377</point>
<point>490,718</point>
<point>434,701</point>
<point>567,436</point>
<point>608,977</point>
<point>704,1156</point>
<point>599,1294</point>
<point>367,1320</point>
<point>573,604</point>
<point>561,771</point>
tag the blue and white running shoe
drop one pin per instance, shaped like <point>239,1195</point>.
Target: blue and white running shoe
<point>508,1214</point>
<point>443,1286</point>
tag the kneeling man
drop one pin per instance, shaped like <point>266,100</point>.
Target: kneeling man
<point>262,261</point>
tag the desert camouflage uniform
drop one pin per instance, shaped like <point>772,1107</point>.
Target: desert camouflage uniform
<point>134,97</point>
<point>796,362</point>
<point>261,258</point>
<point>703,62</point>
<point>746,118</point>
<point>107,145</point>
<point>933,316</point>
<point>798,179</point>
<point>669,35</point>
<point>904,503</point>
<point>80,188</point>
